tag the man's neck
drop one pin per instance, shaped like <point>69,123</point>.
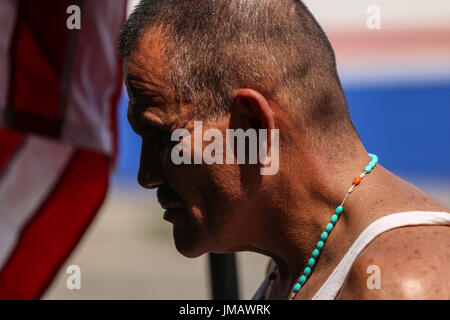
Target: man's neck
<point>312,202</point>
<point>312,187</point>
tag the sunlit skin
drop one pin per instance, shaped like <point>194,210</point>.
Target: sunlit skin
<point>230,207</point>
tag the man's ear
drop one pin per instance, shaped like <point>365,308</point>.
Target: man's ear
<point>253,106</point>
<point>252,110</point>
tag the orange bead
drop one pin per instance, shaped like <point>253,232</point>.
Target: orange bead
<point>357,180</point>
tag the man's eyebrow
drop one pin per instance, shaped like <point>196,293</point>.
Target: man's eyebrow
<point>145,95</point>
<point>135,81</point>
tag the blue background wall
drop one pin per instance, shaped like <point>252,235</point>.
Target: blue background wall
<point>407,126</point>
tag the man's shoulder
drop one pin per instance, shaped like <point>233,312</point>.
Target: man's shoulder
<point>404,263</point>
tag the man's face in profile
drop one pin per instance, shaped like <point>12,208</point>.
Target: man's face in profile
<point>208,204</point>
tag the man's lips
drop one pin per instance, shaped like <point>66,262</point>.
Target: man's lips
<point>173,215</point>
<point>169,199</point>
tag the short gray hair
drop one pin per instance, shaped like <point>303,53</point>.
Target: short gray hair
<point>273,46</point>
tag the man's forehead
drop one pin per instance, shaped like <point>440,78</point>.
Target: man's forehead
<point>145,62</point>
<point>141,70</point>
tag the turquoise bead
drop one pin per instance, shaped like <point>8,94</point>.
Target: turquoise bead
<point>320,244</point>
<point>297,287</point>
<point>324,236</point>
<point>307,271</point>
<point>373,162</point>
<point>311,262</point>
<point>334,218</point>
<point>302,280</point>
<point>329,227</point>
<point>339,210</point>
<point>315,253</point>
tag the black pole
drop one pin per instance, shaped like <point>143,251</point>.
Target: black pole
<point>224,284</point>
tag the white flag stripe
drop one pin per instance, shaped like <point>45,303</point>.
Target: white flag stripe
<point>91,90</point>
<point>26,184</point>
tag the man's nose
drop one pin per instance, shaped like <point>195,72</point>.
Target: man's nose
<point>150,174</point>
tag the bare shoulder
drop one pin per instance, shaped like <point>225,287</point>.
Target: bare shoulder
<point>404,263</point>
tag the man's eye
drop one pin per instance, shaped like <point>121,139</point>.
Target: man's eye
<point>162,138</point>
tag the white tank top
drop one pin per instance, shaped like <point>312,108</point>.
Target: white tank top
<point>330,288</point>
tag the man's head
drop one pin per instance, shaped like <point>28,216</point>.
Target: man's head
<point>239,64</point>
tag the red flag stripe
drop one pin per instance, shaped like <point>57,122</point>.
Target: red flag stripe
<point>49,237</point>
<point>59,86</point>
<point>26,183</point>
<point>38,54</point>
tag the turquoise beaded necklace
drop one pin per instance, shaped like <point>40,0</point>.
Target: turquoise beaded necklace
<point>323,237</point>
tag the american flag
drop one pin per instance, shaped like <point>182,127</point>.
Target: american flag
<point>59,90</point>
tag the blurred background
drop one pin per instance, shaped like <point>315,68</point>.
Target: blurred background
<point>396,75</point>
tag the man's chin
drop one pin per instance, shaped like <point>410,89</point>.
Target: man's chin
<point>187,242</point>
